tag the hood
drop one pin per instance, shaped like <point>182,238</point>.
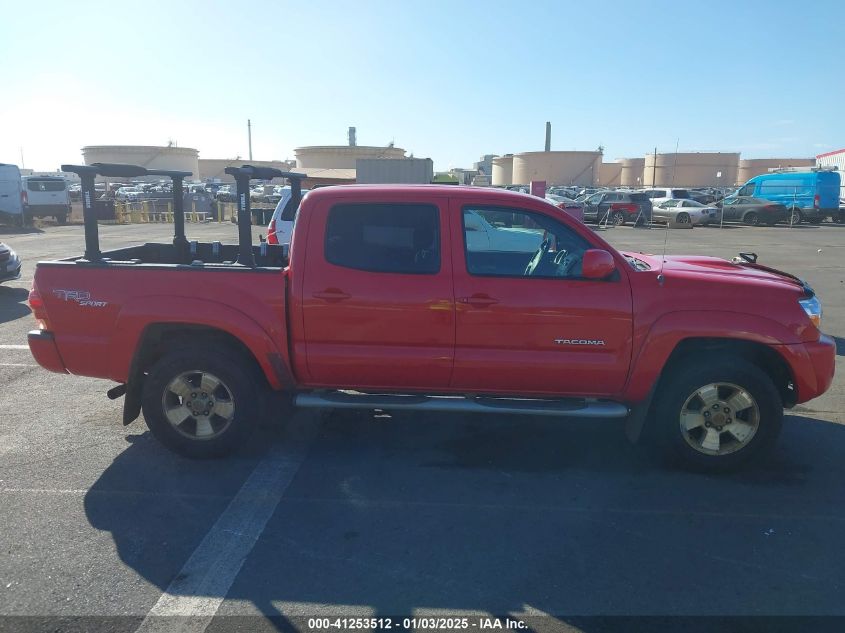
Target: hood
<point>718,269</point>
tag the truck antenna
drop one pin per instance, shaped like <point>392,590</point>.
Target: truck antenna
<point>660,277</point>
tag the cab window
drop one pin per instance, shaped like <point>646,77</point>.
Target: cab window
<point>384,238</point>
<point>518,243</point>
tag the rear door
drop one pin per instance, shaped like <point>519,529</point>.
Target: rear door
<point>828,187</point>
<point>732,208</point>
<point>546,333</point>
<point>377,305</point>
<point>46,192</point>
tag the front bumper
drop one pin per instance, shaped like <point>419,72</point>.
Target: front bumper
<point>42,344</point>
<point>813,365</point>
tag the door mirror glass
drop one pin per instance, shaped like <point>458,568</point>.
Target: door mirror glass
<point>597,264</point>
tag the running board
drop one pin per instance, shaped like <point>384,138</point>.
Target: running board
<point>572,407</point>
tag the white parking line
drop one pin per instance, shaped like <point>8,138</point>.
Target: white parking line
<point>18,365</point>
<point>14,346</point>
<point>199,589</point>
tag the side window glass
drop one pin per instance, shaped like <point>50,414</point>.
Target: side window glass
<point>529,244</point>
<point>384,238</point>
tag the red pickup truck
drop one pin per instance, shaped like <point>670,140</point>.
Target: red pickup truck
<point>390,298</point>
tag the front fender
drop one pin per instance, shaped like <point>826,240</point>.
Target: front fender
<point>667,332</point>
<point>141,312</point>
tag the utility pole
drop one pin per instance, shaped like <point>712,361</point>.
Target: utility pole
<point>249,135</point>
<point>22,163</point>
<point>654,169</point>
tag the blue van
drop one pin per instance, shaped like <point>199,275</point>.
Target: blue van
<point>812,196</point>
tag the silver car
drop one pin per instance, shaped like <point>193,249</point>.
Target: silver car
<point>684,211</point>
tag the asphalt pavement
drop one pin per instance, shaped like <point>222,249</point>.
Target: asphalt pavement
<point>407,515</point>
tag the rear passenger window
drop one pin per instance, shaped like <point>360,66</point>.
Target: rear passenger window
<point>384,238</point>
<point>45,185</point>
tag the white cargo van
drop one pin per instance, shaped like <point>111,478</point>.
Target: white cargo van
<point>45,196</point>
<point>11,198</point>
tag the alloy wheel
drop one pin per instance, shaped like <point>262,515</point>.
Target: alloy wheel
<point>719,418</point>
<point>198,405</point>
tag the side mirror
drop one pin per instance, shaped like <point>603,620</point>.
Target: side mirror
<point>597,264</point>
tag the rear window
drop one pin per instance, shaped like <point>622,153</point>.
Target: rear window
<point>384,238</point>
<point>680,193</point>
<point>45,185</point>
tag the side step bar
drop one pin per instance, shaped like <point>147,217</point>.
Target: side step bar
<point>573,407</point>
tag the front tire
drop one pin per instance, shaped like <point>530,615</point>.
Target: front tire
<point>717,415</point>
<point>201,404</point>
<point>61,218</point>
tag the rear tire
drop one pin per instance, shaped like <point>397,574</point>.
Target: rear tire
<point>796,216</point>
<point>719,414</point>
<point>201,404</point>
<point>682,218</point>
<point>617,218</point>
<point>751,219</point>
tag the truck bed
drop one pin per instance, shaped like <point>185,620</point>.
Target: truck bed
<point>206,254</point>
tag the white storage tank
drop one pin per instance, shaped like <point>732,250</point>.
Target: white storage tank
<point>149,156</point>
<point>557,168</point>
<point>503,170</point>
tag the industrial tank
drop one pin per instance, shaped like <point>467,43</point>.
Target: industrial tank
<point>503,170</point>
<point>342,156</point>
<point>750,167</point>
<point>690,169</point>
<point>557,168</point>
<point>632,172</point>
<point>611,174</point>
<point>149,156</point>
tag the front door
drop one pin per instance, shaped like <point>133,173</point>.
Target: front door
<point>377,303</point>
<point>527,323</point>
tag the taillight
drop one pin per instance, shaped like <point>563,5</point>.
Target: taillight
<point>24,198</point>
<point>39,310</point>
<point>816,201</point>
<point>271,233</point>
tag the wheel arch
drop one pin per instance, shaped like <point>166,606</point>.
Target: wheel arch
<point>157,339</point>
<point>759,354</point>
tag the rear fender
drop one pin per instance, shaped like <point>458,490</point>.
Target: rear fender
<point>141,313</point>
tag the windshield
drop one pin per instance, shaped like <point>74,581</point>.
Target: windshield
<point>637,264</point>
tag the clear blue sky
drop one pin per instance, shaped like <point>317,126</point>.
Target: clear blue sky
<point>448,80</point>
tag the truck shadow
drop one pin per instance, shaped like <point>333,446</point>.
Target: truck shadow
<point>397,515</point>
<point>13,303</point>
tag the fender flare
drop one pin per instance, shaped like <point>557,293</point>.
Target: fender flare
<point>139,314</point>
<point>673,328</point>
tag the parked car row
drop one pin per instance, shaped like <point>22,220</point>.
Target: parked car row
<point>779,197</point>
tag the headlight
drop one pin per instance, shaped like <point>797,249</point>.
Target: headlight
<point>813,308</point>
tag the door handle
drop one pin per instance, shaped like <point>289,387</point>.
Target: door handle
<point>479,301</point>
<point>331,294</point>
